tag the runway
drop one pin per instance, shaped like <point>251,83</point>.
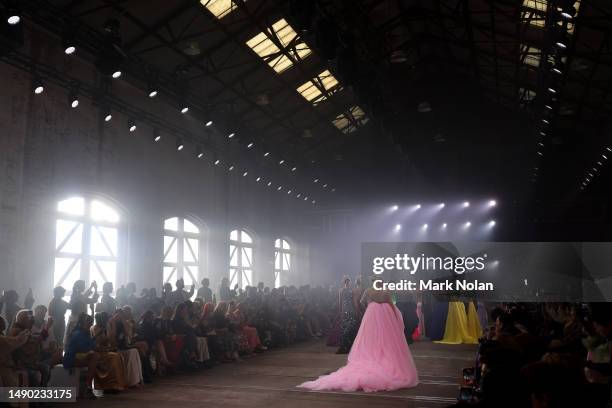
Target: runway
<point>268,380</point>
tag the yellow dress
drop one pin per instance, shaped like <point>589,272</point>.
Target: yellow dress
<point>456,330</point>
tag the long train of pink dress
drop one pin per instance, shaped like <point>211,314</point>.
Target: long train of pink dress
<point>380,359</point>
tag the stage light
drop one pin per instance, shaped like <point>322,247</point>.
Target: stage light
<point>493,203</point>
<point>107,115</point>
<point>466,204</point>
<point>14,16</point>
<point>394,208</point>
<point>156,135</point>
<point>209,123</point>
<point>69,48</point>
<point>269,183</point>
<point>293,168</point>
<point>179,144</point>
<point>230,168</point>
<point>298,195</point>
<point>604,156</point>
<point>217,162</point>
<point>231,135</point>
<point>151,91</point>
<point>73,99</point>
<point>117,74</point>
<point>398,227</point>
<point>281,162</point>
<point>184,109</point>
<point>314,201</point>
<point>545,121</point>
<point>245,174</point>
<point>279,188</point>
<point>131,124</point>
<point>424,227</point>
<point>266,154</point>
<point>315,181</point>
<point>258,179</point>
<point>441,205</point>
<point>467,224</point>
<point>288,191</point>
<point>444,225</point>
<point>418,206</point>
<point>199,152</point>
<point>37,86</point>
<point>548,107</point>
<point>250,145</point>
<point>552,90</point>
<point>492,223</point>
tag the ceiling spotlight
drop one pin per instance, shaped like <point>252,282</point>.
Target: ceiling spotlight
<point>418,206</point>
<point>209,123</point>
<point>600,163</point>
<point>444,225</point>
<point>250,145</point>
<point>37,86</point>
<point>466,204</point>
<point>69,47</point>
<point>199,152</point>
<point>441,205</point>
<point>230,168</point>
<point>548,107</point>
<point>306,198</point>
<point>315,180</point>
<point>468,224</point>
<point>231,135</point>
<point>492,223</point>
<point>425,226</point>
<point>217,162</point>
<point>116,74</point>
<point>557,70</point>
<point>269,183</point>
<point>258,179</point>
<point>543,133</point>
<point>280,188</point>
<point>333,190</point>
<point>552,90</point>
<point>398,227</point>
<point>131,124</point>
<point>545,121</point>
<point>604,156</point>
<point>324,185</point>
<point>184,109</point>
<point>107,115</point>
<point>540,153</point>
<point>288,191</point>
<point>540,144</point>
<point>245,174</point>
<point>298,195</point>
<point>492,203</point>
<point>609,149</point>
<point>394,208</point>
<point>13,17</point>
<point>73,99</point>
<point>179,144</point>
<point>281,162</point>
<point>156,135</point>
<point>314,201</point>
<point>294,169</point>
<point>266,154</point>
<point>591,174</point>
<point>151,91</point>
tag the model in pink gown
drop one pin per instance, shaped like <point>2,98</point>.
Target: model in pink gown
<point>379,360</point>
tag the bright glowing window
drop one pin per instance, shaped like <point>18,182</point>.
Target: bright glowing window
<point>316,90</point>
<point>219,8</point>
<point>351,120</point>
<point>282,261</point>
<point>531,55</point>
<point>181,251</point>
<point>86,242</point>
<point>266,45</point>
<point>241,259</point>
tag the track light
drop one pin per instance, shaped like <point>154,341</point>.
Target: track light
<point>230,168</point>
<point>231,135</point>
<point>108,115</point>
<point>281,162</point>
<point>552,90</point>
<point>266,154</point>
<point>151,91</point>
<point>37,85</point>
<point>156,135</point>
<point>199,152</point>
<point>279,188</point>
<point>69,47</point>
<point>250,145</point>
<point>131,125</point>
<point>217,162</point>
<point>209,123</point>
<point>73,98</point>
<point>13,16</point>
<point>315,181</point>
<point>269,183</point>
<point>294,169</point>
<point>117,74</point>
<point>258,179</point>
<point>179,144</point>
<point>245,174</point>
<point>184,107</point>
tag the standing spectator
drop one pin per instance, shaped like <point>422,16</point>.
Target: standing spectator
<point>57,311</point>
<point>225,293</point>
<point>205,293</point>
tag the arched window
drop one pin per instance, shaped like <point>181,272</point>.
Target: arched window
<point>282,261</point>
<point>241,259</point>
<point>86,242</point>
<point>181,250</point>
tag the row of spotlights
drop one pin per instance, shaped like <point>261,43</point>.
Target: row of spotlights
<point>444,225</point>
<point>465,204</point>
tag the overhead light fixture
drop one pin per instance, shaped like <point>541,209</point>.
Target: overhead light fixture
<point>315,181</point>
<point>552,90</point>
<point>231,168</point>
<point>466,204</point>
<point>231,135</point>
<point>179,144</point>
<point>69,46</point>
<point>184,109</point>
<point>156,135</point>
<point>269,183</point>
<point>217,162</point>
<point>294,169</point>
<point>394,208</point>
<point>324,185</point>
<point>151,91</point>
<point>209,123</point>
<point>306,198</point>
<point>545,121</point>
<point>281,162</point>
<point>117,74</point>
<point>199,152</point>
<point>73,98</point>
<point>314,201</point>
<point>131,124</point>
<point>14,16</point>
<point>258,179</point>
<point>245,174</point>
<point>424,227</point>
<point>279,188</point>
<point>540,153</point>
<point>288,191</point>
<point>266,154</point>
<point>108,115</point>
<point>37,85</point>
<point>444,225</point>
<point>398,227</point>
<point>468,224</point>
<point>548,107</point>
<point>250,145</point>
<point>604,156</point>
<point>543,133</point>
<point>298,195</point>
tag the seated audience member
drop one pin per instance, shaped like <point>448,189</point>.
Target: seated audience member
<point>241,320</point>
<point>173,344</point>
<point>182,326</point>
<point>108,303</point>
<point>571,338</point>
<point>148,332</point>
<point>57,311</point>
<point>45,328</point>
<point>9,302</point>
<point>80,300</point>
<point>8,344</point>
<point>598,370</point>
<point>105,369</point>
<point>121,334</point>
<point>205,293</point>
<point>28,356</point>
<point>227,343</point>
<point>225,293</point>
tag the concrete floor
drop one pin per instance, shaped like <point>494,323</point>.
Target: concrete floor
<point>269,379</point>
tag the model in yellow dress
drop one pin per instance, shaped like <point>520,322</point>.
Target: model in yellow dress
<point>457,330</point>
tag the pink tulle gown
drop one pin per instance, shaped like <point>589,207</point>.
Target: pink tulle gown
<point>380,359</point>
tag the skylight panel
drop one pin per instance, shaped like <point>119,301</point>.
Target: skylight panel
<point>350,121</point>
<point>219,8</point>
<point>317,89</point>
<point>293,48</point>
